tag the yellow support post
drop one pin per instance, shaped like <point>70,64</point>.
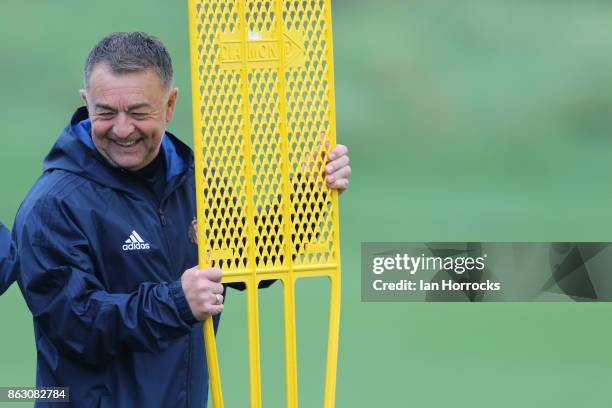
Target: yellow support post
<point>263,117</point>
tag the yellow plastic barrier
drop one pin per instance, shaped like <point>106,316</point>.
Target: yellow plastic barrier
<point>263,119</point>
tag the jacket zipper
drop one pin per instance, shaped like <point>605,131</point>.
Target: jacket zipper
<point>162,217</point>
<point>164,223</point>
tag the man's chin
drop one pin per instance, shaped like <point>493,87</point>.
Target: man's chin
<point>128,163</point>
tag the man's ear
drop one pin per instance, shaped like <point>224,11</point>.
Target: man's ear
<point>171,104</point>
<point>83,94</point>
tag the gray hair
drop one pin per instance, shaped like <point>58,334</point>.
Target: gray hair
<point>131,52</point>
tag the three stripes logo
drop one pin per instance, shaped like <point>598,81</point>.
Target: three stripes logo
<point>135,242</point>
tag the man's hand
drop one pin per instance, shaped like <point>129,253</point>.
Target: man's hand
<point>203,290</point>
<point>337,169</point>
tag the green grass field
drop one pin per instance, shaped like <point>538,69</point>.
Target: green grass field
<point>485,120</point>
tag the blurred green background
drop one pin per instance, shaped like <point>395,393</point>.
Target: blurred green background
<point>484,120</point>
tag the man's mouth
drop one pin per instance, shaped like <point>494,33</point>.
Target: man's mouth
<point>125,143</point>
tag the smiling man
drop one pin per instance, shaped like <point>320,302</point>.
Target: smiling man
<point>106,259</point>
<point>128,114</point>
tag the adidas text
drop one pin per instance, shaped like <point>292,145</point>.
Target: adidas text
<point>134,246</point>
<point>135,242</point>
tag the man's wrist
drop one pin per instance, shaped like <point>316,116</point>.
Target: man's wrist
<point>178,295</point>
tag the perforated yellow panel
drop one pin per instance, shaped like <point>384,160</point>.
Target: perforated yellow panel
<point>264,119</point>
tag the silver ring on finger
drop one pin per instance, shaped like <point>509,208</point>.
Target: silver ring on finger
<point>219,299</point>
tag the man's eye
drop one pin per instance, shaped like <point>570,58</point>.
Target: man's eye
<point>139,115</point>
<point>105,114</point>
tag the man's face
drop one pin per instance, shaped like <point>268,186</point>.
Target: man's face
<point>129,113</point>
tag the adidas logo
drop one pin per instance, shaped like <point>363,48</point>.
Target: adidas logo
<point>135,242</point>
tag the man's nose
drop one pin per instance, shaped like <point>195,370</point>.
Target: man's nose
<point>123,127</point>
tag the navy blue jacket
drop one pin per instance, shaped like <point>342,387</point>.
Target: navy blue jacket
<point>7,259</point>
<point>100,263</point>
